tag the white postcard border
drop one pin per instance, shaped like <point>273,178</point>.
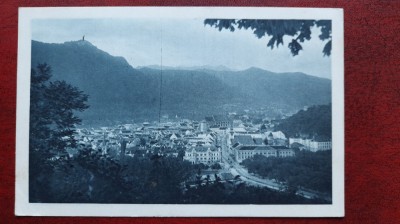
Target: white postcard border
<point>24,208</point>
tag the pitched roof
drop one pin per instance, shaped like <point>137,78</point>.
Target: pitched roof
<point>296,145</point>
<point>235,145</point>
<point>277,134</point>
<point>217,118</point>
<point>264,147</point>
<point>258,141</point>
<point>279,147</point>
<point>203,148</point>
<point>243,140</point>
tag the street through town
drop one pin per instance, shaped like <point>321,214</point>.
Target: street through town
<point>236,169</point>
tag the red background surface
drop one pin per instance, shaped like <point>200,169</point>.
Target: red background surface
<point>372,97</point>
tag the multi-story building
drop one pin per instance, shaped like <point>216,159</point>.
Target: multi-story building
<point>218,121</point>
<point>203,126</point>
<point>245,152</point>
<point>276,138</point>
<point>247,146</point>
<point>203,154</point>
<point>316,145</point>
<point>312,145</point>
<point>284,151</point>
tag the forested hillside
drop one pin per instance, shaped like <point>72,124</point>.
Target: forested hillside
<point>119,92</point>
<point>315,122</point>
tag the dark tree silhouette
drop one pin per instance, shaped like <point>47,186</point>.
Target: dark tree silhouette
<point>216,166</point>
<point>51,127</point>
<point>300,30</point>
<point>315,122</point>
<point>311,170</point>
<point>52,119</point>
<point>142,141</point>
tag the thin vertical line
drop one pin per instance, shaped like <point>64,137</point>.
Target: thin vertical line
<point>161,81</point>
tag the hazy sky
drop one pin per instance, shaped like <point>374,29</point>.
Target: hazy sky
<point>185,43</point>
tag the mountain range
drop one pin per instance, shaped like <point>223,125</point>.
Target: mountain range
<point>191,68</point>
<point>118,91</point>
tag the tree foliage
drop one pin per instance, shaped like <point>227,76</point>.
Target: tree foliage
<point>51,126</point>
<point>311,170</point>
<point>300,30</point>
<point>240,193</point>
<point>216,166</point>
<point>91,177</point>
<point>52,108</point>
<point>315,122</point>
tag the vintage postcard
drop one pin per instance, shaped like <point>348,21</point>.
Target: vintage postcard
<point>180,112</point>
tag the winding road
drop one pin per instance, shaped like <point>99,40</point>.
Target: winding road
<point>236,169</point>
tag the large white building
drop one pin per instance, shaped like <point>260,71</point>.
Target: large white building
<point>247,146</point>
<point>203,154</point>
<point>245,152</point>
<point>312,145</point>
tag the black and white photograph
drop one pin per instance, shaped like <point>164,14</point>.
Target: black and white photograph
<point>180,111</point>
